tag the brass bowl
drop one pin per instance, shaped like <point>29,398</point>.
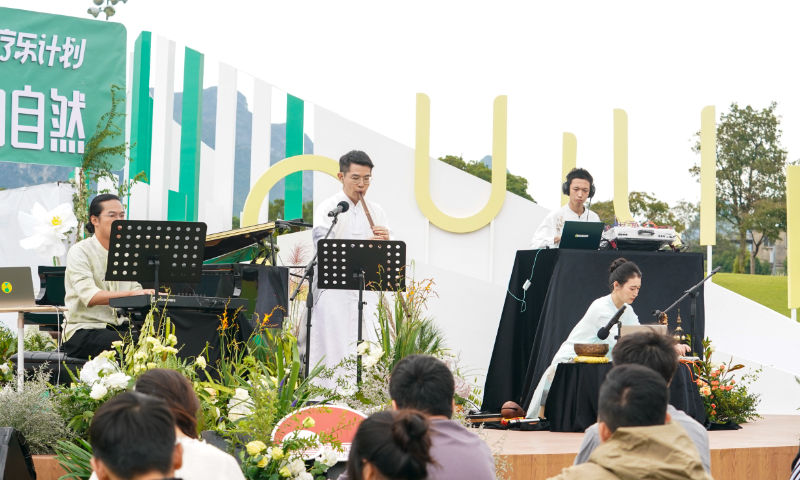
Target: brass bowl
<point>591,349</point>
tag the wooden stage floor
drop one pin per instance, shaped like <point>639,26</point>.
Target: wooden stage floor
<point>761,450</point>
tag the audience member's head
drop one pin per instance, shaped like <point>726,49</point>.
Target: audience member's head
<point>423,383</point>
<point>177,391</point>
<point>391,445</point>
<point>649,349</point>
<point>132,436</point>
<point>631,396</point>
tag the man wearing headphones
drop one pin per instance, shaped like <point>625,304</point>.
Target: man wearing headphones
<point>579,187</point>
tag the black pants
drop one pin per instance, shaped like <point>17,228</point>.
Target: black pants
<point>91,342</point>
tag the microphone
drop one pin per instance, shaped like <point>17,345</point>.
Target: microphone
<point>602,334</point>
<point>341,208</point>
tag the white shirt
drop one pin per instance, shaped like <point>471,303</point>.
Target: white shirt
<point>334,330</point>
<point>202,461</point>
<point>553,225</point>
<point>596,317</point>
<point>84,277</point>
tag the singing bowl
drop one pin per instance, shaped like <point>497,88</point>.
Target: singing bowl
<point>591,349</point>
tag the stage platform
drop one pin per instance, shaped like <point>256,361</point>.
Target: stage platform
<point>761,450</point>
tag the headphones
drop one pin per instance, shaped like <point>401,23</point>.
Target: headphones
<point>565,185</point>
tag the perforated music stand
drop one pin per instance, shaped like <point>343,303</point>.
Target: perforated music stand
<point>146,250</point>
<point>353,264</point>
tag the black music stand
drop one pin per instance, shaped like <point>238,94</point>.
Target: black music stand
<point>146,250</point>
<point>347,264</point>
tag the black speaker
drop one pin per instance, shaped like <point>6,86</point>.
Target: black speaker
<point>16,462</point>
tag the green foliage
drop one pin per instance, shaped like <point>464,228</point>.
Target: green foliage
<point>514,183</point>
<point>75,458</point>
<point>277,463</point>
<point>235,223</point>
<point>751,176</point>
<point>276,209</point>
<point>94,165</point>
<point>8,344</point>
<point>646,207</point>
<point>728,260</point>
<point>36,341</point>
<point>32,411</point>
<point>724,398</point>
<point>406,329</point>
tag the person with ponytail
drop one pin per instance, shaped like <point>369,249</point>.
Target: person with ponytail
<point>391,445</point>
<point>90,325</point>
<point>201,461</point>
<point>624,282</point>
<point>422,385</point>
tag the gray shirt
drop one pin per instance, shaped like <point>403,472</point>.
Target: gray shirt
<point>457,453</point>
<point>696,432</point>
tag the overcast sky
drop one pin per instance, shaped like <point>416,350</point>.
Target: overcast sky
<point>564,66</point>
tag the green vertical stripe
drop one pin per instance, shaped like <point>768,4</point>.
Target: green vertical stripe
<point>191,128</point>
<point>176,210</point>
<point>141,108</point>
<point>293,206</point>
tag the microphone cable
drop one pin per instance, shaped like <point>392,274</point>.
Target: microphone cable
<point>526,285</point>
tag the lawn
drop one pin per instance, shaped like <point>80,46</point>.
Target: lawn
<point>772,292</point>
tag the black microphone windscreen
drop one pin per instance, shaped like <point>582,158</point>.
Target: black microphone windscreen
<point>345,206</point>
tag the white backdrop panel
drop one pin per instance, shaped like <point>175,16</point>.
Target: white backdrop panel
<point>737,324</point>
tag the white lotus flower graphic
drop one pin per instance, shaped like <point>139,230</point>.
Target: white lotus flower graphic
<point>46,231</point>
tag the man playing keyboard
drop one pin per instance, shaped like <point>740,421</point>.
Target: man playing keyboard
<point>91,325</point>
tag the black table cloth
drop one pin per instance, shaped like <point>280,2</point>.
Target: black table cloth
<point>573,400</point>
<point>195,330</point>
<point>564,283</point>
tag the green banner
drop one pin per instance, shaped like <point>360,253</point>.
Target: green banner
<point>56,74</point>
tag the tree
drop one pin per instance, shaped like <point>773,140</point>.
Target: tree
<point>514,183</point>
<point>645,207</point>
<point>751,177</point>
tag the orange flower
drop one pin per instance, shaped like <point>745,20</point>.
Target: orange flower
<point>713,412</point>
<point>713,388</point>
<point>715,382</point>
<point>733,382</point>
<point>722,367</point>
<point>713,405</point>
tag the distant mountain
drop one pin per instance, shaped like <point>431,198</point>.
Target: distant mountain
<point>16,175</point>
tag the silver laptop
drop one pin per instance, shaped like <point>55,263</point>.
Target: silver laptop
<point>16,287</point>
<point>630,329</point>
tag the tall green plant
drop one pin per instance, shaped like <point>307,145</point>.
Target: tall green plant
<point>94,164</point>
<point>404,328</point>
<point>75,459</point>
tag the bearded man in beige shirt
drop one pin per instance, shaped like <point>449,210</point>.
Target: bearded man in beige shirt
<point>91,325</point>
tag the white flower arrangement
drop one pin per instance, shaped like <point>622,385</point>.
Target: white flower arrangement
<point>46,231</point>
<point>240,405</point>
<point>370,353</point>
<point>103,376</point>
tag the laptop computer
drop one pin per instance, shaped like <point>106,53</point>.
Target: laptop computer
<point>16,287</point>
<point>630,329</point>
<point>581,235</point>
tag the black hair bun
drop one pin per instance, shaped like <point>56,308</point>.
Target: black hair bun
<point>615,264</point>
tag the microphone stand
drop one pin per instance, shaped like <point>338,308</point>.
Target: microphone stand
<point>693,293</point>
<point>309,273</point>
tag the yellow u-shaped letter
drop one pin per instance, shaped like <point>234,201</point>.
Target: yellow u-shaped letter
<point>268,179</point>
<point>422,174</point>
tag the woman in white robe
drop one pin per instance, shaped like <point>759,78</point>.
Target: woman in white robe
<point>625,280</point>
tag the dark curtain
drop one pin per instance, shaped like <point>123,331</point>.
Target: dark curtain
<point>564,284</point>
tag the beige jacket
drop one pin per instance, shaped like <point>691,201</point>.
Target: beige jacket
<point>663,452</point>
